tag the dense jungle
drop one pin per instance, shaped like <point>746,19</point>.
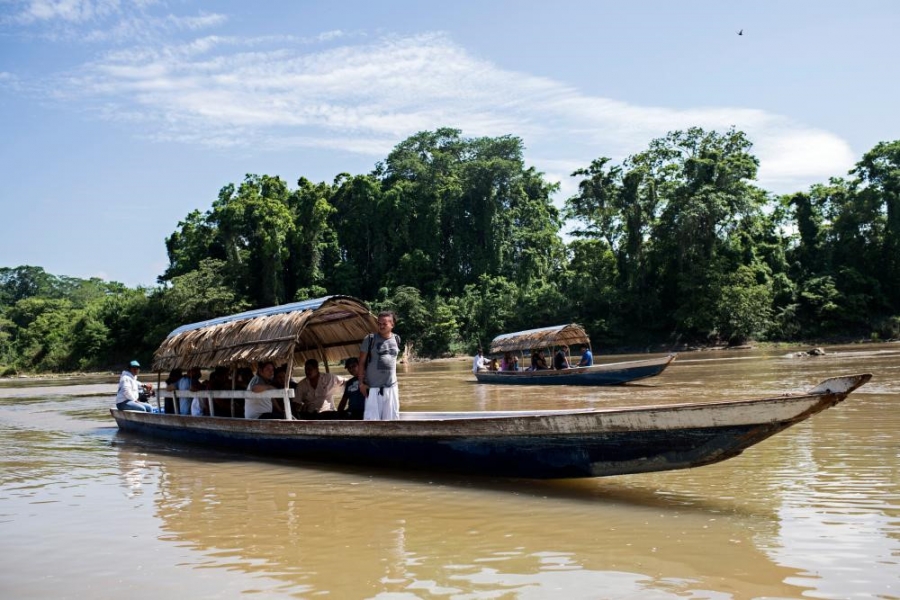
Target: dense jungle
<point>671,247</point>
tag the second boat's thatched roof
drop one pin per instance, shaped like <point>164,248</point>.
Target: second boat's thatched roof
<point>329,329</point>
<point>544,337</point>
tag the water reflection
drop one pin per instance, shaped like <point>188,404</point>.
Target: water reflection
<point>356,535</point>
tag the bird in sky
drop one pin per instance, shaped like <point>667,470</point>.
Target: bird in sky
<point>741,32</point>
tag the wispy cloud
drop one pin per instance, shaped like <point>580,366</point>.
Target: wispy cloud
<point>101,21</point>
<point>71,11</point>
<point>340,90</point>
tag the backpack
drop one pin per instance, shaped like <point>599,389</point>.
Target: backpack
<point>372,343</point>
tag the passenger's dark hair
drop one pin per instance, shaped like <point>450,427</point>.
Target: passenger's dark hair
<point>311,362</point>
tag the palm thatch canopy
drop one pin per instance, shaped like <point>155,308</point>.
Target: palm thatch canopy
<point>558,335</point>
<point>328,329</point>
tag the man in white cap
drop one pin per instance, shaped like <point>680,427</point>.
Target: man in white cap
<point>127,397</point>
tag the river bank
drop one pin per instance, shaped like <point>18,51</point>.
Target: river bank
<point>808,347</point>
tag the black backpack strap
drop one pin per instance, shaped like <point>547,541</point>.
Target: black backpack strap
<point>369,351</point>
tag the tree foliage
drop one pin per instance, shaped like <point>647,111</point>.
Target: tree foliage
<point>462,239</point>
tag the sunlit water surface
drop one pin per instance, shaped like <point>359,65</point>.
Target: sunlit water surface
<point>86,512</point>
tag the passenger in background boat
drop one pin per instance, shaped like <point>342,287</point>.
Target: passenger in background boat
<point>494,365</point>
<point>561,359</point>
<point>513,364</point>
<point>506,363</point>
<point>353,402</point>
<point>262,408</point>
<point>587,358</point>
<point>129,392</point>
<point>538,362</point>
<point>479,364</point>
<point>378,354</point>
<point>315,393</point>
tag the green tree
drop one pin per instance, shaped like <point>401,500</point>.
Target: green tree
<point>23,282</point>
<point>708,196</point>
<point>254,224</point>
<point>461,208</point>
<point>486,309</point>
<point>202,294</point>
<point>879,173</point>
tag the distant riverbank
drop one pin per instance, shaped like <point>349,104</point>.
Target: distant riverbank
<point>802,347</point>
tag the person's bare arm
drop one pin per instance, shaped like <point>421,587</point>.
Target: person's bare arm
<point>363,386</point>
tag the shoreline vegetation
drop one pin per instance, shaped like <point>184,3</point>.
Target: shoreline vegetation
<point>673,248</point>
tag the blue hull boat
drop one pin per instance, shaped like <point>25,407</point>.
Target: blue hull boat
<point>608,374</point>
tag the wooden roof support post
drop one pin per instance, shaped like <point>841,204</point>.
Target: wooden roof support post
<point>287,385</point>
<point>233,383</point>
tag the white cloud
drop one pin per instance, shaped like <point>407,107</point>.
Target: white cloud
<point>73,11</point>
<point>227,91</point>
<point>101,21</point>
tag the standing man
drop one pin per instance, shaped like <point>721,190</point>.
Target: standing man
<point>129,392</point>
<point>378,371</point>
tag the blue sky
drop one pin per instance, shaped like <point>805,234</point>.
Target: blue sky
<point>119,117</point>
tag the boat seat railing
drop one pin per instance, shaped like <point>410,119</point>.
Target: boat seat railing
<point>236,397</point>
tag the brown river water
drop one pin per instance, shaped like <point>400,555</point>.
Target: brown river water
<point>814,512</point>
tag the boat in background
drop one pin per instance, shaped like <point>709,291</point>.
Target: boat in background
<point>568,335</point>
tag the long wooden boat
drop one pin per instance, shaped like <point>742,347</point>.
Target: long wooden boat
<point>540,443</point>
<point>534,444</point>
<point>570,334</point>
<point>615,373</point>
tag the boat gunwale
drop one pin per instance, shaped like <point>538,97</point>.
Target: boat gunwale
<point>530,421</point>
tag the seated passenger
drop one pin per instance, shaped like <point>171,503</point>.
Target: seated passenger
<point>184,385</point>
<point>262,408</point>
<point>199,404</point>
<point>242,378</point>
<point>172,379</point>
<point>130,389</point>
<point>561,359</point>
<point>587,358</point>
<point>220,379</point>
<point>280,375</point>
<point>316,391</point>
<point>353,401</point>
<point>172,384</point>
<point>538,362</point>
<point>478,364</point>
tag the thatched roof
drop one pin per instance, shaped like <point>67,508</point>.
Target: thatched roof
<point>328,329</point>
<point>558,335</point>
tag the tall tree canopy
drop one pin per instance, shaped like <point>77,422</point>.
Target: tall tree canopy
<point>674,244</point>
